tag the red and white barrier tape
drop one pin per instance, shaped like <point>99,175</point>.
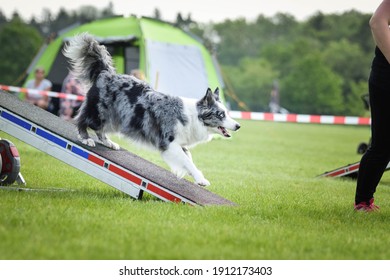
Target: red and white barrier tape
<point>294,118</point>
<point>43,92</point>
<point>300,118</point>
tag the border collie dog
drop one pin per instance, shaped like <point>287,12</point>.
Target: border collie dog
<point>127,105</point>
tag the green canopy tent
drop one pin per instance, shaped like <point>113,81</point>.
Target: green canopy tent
<point>172,60</point>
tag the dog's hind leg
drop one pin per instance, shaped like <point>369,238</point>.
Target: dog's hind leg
<point>83,122</point>
<point>106,141</point>
<point>180,162</point>
<point>84,136</point>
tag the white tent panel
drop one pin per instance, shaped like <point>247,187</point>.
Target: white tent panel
<point>176,69</point>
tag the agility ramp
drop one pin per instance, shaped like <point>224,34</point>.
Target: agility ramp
<point>350,170</point>
<point>121,169</point>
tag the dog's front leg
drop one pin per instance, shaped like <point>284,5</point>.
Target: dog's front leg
<point>179,161</point>
<point>84,137</point>
<point>187,152</point>
<point>106,141</point>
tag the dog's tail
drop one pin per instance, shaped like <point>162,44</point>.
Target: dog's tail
<point>87,58</point>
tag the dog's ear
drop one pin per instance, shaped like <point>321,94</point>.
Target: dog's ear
<point>216,94</point>
<point>209,98</point>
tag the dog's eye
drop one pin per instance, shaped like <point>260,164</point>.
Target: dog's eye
<point>221,115</point>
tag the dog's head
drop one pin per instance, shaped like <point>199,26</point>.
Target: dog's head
<point>213,114</point>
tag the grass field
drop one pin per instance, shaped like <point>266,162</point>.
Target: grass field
<point>269,169</point>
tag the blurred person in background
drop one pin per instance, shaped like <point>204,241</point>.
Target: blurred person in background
<point>39,83</point>
<point>69,108</point>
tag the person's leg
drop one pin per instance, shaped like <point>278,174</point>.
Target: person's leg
<point>375,160</point>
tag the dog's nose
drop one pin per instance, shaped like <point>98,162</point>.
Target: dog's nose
<point>238,126</point>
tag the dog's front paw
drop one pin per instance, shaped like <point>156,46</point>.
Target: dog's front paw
<point>112,145</point>
<point>89,142</point>
<point>203,182</point>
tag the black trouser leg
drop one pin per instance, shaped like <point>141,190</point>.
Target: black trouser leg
<point>375,160</point>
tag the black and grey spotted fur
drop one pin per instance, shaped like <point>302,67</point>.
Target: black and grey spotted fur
<point>124,104</point>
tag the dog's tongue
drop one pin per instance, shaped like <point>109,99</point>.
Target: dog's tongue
<point>224,131</point>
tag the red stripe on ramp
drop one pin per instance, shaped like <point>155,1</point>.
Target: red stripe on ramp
<point>96,160</point>
<point>162,193</point>
<point>125,174</point>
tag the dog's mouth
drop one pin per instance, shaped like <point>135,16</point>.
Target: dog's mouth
<point>223,131</point>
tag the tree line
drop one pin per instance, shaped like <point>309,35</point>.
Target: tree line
<point>319,65</point>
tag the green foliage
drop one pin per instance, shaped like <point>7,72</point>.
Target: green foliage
<point>347,59</point>
<point>252,78</point>
<point>312,88</point>
<point>18,45</point>
<point>237,41</point>
<point>351,25</point>
<point>354,105</point>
